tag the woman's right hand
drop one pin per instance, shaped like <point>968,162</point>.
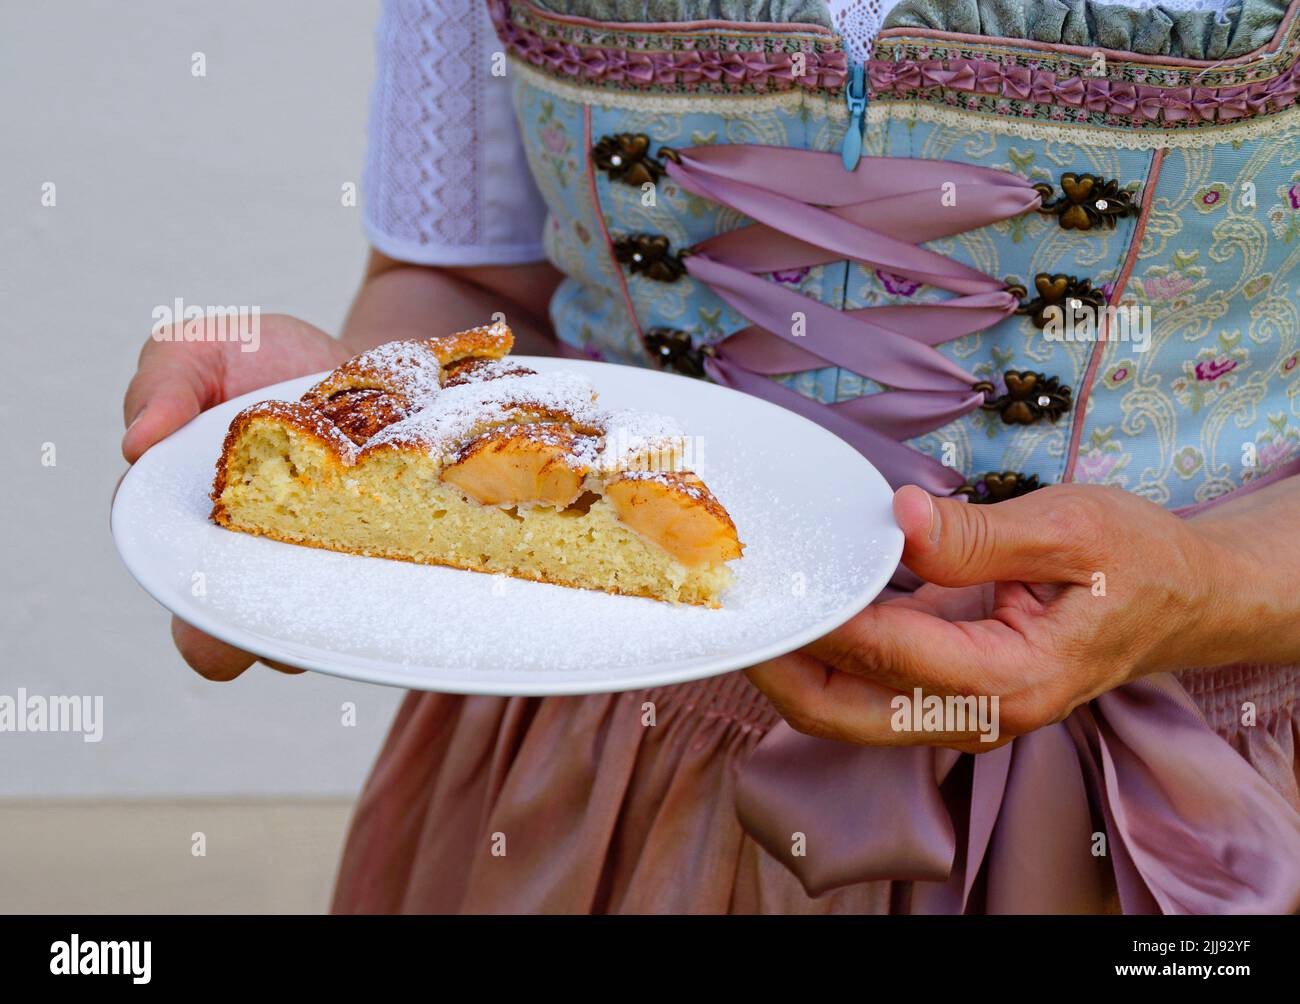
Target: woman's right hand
<point>175,380</point>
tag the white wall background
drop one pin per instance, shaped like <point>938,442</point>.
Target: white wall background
<point>222,189</point>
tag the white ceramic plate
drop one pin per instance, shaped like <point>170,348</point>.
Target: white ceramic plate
<point>815,517</point>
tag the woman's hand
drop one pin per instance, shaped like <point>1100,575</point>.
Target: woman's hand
<point>1044,601</point>
<point>175,380</point>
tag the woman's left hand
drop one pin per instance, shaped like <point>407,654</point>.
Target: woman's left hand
<point>1044,601</point>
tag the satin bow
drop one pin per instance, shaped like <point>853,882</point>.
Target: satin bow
<point>1184,824</point>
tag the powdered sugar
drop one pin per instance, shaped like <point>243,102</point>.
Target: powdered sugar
<point>490,369</point>
<point>496,393</point>
<point>457,413</point>
<point>409,367</point>
<point>636,439</point>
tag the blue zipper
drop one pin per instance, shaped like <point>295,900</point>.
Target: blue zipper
<point>855,92</point>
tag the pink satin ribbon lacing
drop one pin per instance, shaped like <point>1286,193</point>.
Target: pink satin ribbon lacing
<point>821,215</point>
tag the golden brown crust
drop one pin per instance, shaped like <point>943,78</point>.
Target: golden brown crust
<point>490,341</point>
<point>410,369</point>
<point>398,368</point>
<point>360,414</point>
<point>477,370</point>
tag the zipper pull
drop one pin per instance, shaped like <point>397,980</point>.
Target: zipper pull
<point>855,92</point>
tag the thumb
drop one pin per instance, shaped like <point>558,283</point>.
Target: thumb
<point>175,381</point>
<point>954,543</point>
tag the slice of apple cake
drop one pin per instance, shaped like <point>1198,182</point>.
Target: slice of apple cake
<point>446,452</point>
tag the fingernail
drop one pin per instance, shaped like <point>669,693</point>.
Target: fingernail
<point>935,522</point>
<point>135,421</point>
<point>129,452</point>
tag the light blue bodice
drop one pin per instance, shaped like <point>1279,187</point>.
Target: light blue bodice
<point>1198,401</point>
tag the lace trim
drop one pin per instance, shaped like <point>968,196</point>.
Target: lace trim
<point>882,111</point>
<point>858,22</point>
<point>722,58</point>
<point>424,116</point>
<point>1031,92</point>
<point>822,102</point>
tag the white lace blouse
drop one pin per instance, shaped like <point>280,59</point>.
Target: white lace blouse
<point>442,181</point>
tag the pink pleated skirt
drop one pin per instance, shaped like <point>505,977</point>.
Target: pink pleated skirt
<point>578,805</point>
